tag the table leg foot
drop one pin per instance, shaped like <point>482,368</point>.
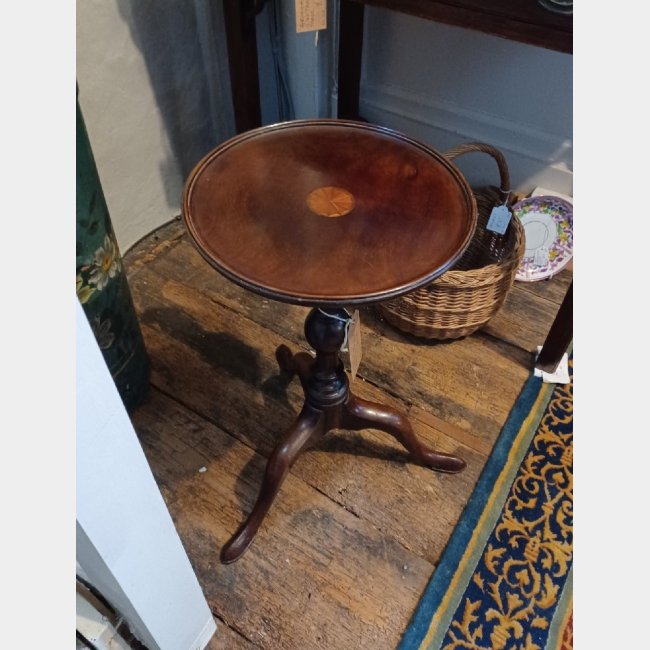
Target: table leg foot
<point>306,430</point>
<point>299,363</point>
<point>284,357</point>
<point>360,414</point>
<point>559,336</point>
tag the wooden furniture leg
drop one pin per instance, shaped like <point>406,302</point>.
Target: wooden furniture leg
<point>328,405</point>
<point>360,414</point>
<point>239,20</point>
<point>307,429</point>
<point>559,336</point>
<point>299,364</point>
<point>350,53</point>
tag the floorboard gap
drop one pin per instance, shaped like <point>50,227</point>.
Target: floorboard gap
<point>234,629</point>
<point>509,344</point>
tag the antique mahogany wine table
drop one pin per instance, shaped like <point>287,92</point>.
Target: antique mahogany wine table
<point>329,214</point>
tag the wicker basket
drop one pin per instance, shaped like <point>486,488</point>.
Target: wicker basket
<point>457,303</point>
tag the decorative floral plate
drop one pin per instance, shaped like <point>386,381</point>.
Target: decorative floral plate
<point>548,224</point>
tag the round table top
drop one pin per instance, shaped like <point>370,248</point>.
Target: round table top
<point>328,212</point>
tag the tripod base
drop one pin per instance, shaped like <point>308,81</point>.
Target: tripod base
<point>329,404</point>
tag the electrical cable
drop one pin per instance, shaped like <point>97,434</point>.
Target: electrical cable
<point>286,110</point>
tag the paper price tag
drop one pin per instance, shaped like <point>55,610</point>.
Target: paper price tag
<point>311,15</point>
<point>541,256</point>
<point>354,343</point>
<point>499,219</point>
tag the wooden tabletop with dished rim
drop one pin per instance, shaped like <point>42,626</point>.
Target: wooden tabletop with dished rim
<point>328,212</point>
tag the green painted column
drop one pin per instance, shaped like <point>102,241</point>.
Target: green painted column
<point>102,287</point>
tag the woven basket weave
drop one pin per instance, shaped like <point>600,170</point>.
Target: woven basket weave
<point>460,301</point>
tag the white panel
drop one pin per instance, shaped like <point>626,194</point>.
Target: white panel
<point>534,157</point>
<point>126,541</point>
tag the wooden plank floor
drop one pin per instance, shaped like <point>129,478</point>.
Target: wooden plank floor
<point>356,531</point>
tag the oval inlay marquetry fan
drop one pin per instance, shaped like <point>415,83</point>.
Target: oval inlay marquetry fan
<point>330,202</point>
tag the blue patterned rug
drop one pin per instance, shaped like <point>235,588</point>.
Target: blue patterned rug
<point>505,579</point>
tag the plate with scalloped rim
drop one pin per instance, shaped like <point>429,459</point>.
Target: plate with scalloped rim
<point>548,224</point>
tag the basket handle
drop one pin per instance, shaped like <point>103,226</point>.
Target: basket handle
<point>490,151</point>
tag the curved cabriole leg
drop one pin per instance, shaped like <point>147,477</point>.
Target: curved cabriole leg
<point>305,432</point>
<point>360,414</point>
<point>299,363</point>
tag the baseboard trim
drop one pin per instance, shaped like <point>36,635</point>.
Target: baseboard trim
<point>468,124</point>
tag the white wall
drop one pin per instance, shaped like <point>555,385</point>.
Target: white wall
<point>446,85</point>
<point>127,545</point>
<point>154,92</point>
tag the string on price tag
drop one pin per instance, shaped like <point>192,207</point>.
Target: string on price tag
<point>354,343</point>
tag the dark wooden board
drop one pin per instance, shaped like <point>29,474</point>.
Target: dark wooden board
<point>524,320</point>
<point>518,20</point>
<point>153,245</point>
<point>239,23</point>
<point>553,289</point>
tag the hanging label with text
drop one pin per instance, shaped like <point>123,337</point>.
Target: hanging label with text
<point>499,219</point>
<point>311,15</point>
<point>354,343</point>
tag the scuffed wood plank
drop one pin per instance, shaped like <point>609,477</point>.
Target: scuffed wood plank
<point>450,430</point>
<point>553,289</point>
<point>316,576</point>
<point>151,247</point>
<point>472,383</point>
<point>524,320</point>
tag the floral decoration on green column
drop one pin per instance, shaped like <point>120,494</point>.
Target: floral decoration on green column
<point>102,287</point>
